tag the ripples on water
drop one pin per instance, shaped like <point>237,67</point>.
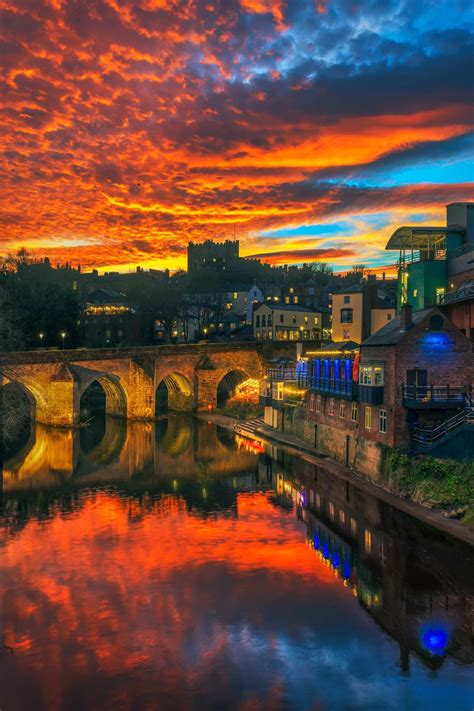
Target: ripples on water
<point>177,567</point>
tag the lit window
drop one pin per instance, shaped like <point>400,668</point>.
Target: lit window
<point>294,318</point>
<point>318,501</point>
<point>295,299</point>
<point>353,526</point>
<point>371,375</point>
<point>354,412</point>
<point>315,320</point>
<point>311,403</point>
<point>415,293</point>
<point>342,518</point>
<point>318,403</point>
<point>306,319</point>
<point>258,334</point>
<point>383,421</point>
<point>291,290</point>
<point>368,541</point>
<point>342,409</point>
<point>287,299</point>
<point>368,418</point>
<point>235,294</point>
<point>331,510</point>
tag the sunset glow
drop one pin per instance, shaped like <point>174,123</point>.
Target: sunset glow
<point>306,129</point>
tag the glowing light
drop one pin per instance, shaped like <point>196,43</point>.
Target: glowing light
<point>434,640</point>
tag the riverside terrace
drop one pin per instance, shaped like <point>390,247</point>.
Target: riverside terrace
<point>193,377</point>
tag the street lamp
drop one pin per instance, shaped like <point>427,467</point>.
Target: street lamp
<point>205,332</point>
<point>41,336</point>
<point>63,336</point>
<point>301,331</point>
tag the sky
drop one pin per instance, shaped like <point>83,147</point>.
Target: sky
<point>307,129</point>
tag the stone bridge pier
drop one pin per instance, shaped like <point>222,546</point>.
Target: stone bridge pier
<point>138,383</point>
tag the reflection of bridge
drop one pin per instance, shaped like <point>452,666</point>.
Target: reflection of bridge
<point>179,447</point>
<point>193,377</point>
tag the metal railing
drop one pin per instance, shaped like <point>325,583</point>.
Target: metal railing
<point>334,386</point>
<point>464,292</point>
<point>427,436</point>
<point>421,256</point>
<point>442,394</point>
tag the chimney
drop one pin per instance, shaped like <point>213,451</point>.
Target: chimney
<point>406,320</point>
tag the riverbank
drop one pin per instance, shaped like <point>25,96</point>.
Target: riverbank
<point>295,445</point>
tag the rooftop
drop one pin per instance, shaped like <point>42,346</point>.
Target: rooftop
<point>390,334</point>
<point>408,237</point>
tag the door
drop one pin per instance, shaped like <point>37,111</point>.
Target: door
<point>417,382</point>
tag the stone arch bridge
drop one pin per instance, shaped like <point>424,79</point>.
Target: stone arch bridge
<point>130,377</point>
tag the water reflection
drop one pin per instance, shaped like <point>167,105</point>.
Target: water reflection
<point>173,565</point>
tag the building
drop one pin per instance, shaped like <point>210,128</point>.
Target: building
<point>108,320</point>
<point>242,298</point>
<point>283,322</point>
<point>434,260</point>
<point>218,256</point>
<point>361,309</point>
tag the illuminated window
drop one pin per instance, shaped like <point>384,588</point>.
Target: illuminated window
<point>318,501</point>
<point>440,295</point>
<point>287,299</point>
<point>383,421</point>
<point>331,510</point>
<point>235,295</point>
<point>342,409</point>
<point>311,403</point>
<point>368,541</point>
<point>316,321</point>
<point>306,319</point>
<point>258,334</point>
<point>353,526</point>
<point>291,290</point>
<point>342,518</point>
<point>415,293</point>
<point>368,418</point>
<point>318,403</point>
<point>295,299</point>
<point>354,412</point>
<point>371,375</point>
<point>294,318</point>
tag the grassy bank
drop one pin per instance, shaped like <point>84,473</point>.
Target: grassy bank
<point>442,484</point>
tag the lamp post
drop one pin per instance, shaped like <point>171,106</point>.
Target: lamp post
<point>205,333</point>
<point>63,336</point>
<point>41,336</point>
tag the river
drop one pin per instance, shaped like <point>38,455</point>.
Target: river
<point>177,566</point>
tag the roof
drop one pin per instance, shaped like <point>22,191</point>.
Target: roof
<point>292,307</point>
<point>339,346</point>
<point>408,237</point>
<point>390,334</point>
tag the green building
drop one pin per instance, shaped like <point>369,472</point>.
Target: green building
<point>424,253</point>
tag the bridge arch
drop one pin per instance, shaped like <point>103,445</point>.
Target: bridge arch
<point>103,394</point>
<point>228,384</point>
<point>174,392</point>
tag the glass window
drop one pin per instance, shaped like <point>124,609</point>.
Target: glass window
<point>368,418</point>
<point>287,299</point>
<point>383,421</point>
<point>318,403</point>
<point>342,409</point>
<point>257,321</point>
<point>315,320</point>
<point>353,526</point>
<point>295,299</point>
<point>282,318</point>
<point>368,541</point>
<point>331,509</point>
<point>264,320</point>
<point>311,403</point>
<point>294,318</point>
<point>306,319</point>
<point>258,334</point>
<point>346,315</point>
<point>342,518</point>
<point>347,299</point>
<point>235,294</point>
<point>270,320</point>
<point>354,412</point>
<point>371,375</point>
<point>346,334</point>
<point>331,407</point>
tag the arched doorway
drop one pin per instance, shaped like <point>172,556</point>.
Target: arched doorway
<point>17,417</point>
<point>228,385</point>
<point>174,392</point>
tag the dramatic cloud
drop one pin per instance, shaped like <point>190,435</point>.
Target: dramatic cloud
<point>130,127</point>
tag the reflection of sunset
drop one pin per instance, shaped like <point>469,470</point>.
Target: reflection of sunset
<point>110,586</point>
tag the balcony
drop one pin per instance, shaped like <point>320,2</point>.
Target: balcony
<point>372,394</point>
<point>426,397</point>
<point>287,375</point>
<point>345,389</point>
